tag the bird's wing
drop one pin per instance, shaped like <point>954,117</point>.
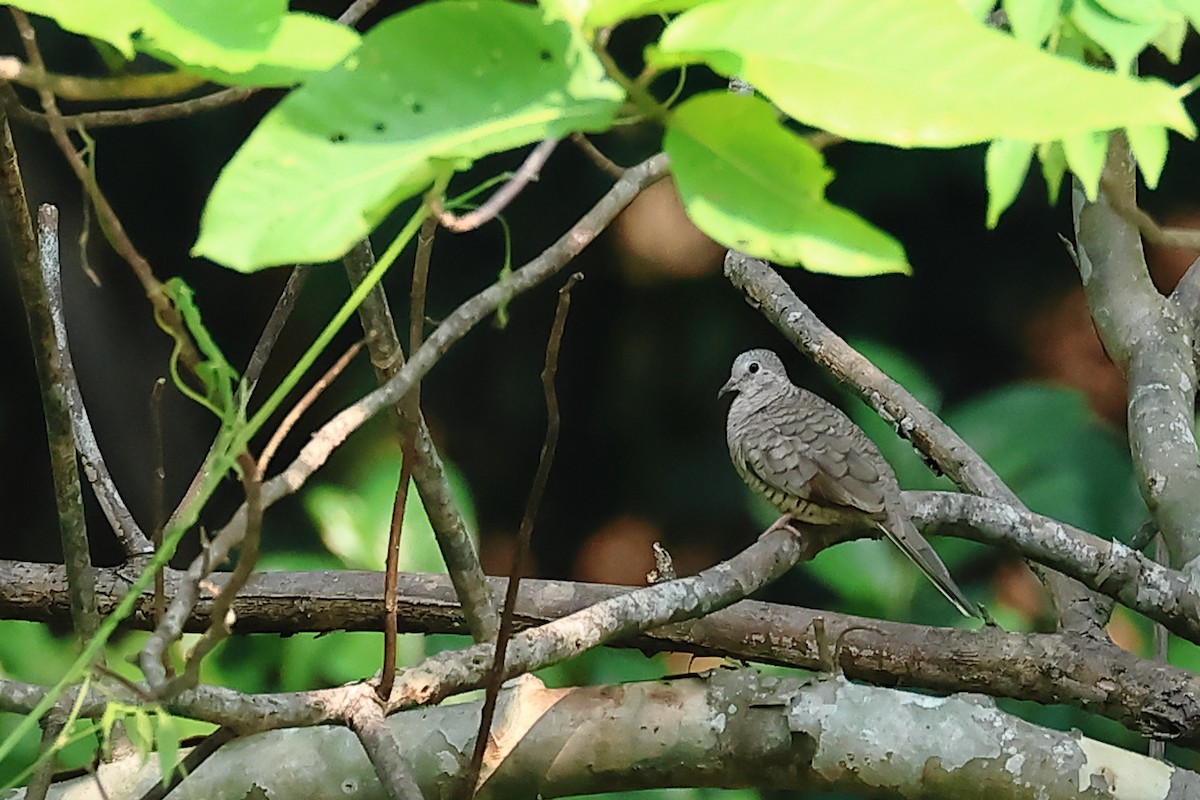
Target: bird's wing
<point>810,454</point>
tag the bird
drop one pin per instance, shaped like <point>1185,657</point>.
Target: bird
<point>812,463</point>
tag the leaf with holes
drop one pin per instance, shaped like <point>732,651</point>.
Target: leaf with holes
<point>752,184</point>
<point>243,42</point>
<point>430,90</point>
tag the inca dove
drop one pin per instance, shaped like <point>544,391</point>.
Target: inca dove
<point>813,464</point>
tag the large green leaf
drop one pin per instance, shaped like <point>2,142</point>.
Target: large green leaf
<point>750,183</point>
<point>610,12</point>
<point>430,90</point>
<point>255,42</point>
<point>910,73</point>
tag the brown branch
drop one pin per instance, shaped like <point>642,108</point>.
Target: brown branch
<point>303,404</point>
<point>387,675</point>
<point>203,751</point>
<point>941,445</point>
<point>524,533</point>
<point>120,518</point>
<point>274,327</point>
<point>437,496</point>
<point>1126,206</point>
<point>221,624</point>
<point>39,782</point>
<point>528,171</point>
<point>595,156</point>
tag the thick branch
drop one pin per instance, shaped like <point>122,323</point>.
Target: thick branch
<point>1143,332</point>
<point>726,728</point>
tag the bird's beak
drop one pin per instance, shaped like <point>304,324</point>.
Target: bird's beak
<point>729,386</point>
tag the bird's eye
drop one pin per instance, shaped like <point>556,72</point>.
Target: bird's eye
<point>752,368</point>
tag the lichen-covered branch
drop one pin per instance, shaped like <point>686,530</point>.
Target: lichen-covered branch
<point>728,728</point>
<point>1152,344</point>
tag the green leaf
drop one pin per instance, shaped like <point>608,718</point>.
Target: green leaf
<point>910,73</point>
<point>167,739</point>
<point>1054,167</point>
<point>1006,163</point>
<point>1149,146</point>
<point>430,90</point>
<point>609,12</point>
<point>1122,37</point>
<point>1032,20</point>
<point>752,184</point>
<point>253,42</point>
<point>1085,156</point>
<point>978,9</point>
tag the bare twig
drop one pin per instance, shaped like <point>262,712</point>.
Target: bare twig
<point>528,171</point>
<point>274,327</point>
<point>1126,206</point>
<point>39,783</point>
<point>124,526</point>
<point>370,726</point>
<point>221,624</point>
<point>768,292</point>
<point>417,446</point>
<point>160,502</point>
<point>524,533</point>
<point>159,113</point>
<point>303,404</point>
<point>207,748</point>
<point>387,675</point>
<point>598,158</point>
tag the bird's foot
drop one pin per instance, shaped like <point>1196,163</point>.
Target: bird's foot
<point>784,523</point>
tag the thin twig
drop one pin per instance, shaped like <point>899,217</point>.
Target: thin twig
<point>383,751</point>
<point>303,404</point>
<point>1182,238</point>
<point>437,496</point>
<point>387,674</point>
<point>221,623</point>
<point>524,533</point>
<point>314,454</point>
<point>51,368</point>
<point>596,156</point>
<point>124,526</point>
<point>408,408</point>
<point>160,503</point>
<point>43,776</point>
<point>528,171</point>
<point>274,327</point>
<point>207,747</point>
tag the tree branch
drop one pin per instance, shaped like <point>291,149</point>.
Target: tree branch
<point>1142,331</point>
<point>726,728</point>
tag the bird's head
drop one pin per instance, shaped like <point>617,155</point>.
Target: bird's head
<point>754,372</point>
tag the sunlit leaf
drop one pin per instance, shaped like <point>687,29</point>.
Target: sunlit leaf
<point>752,184</point>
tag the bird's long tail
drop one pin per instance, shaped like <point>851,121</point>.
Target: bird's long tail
<point>901,531</point>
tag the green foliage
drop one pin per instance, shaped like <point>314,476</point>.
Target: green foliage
<point>1047,446</point>
<point>430,90</point>
<point>748,181</point>
<point>909,74</point>
<point>242,42</point>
